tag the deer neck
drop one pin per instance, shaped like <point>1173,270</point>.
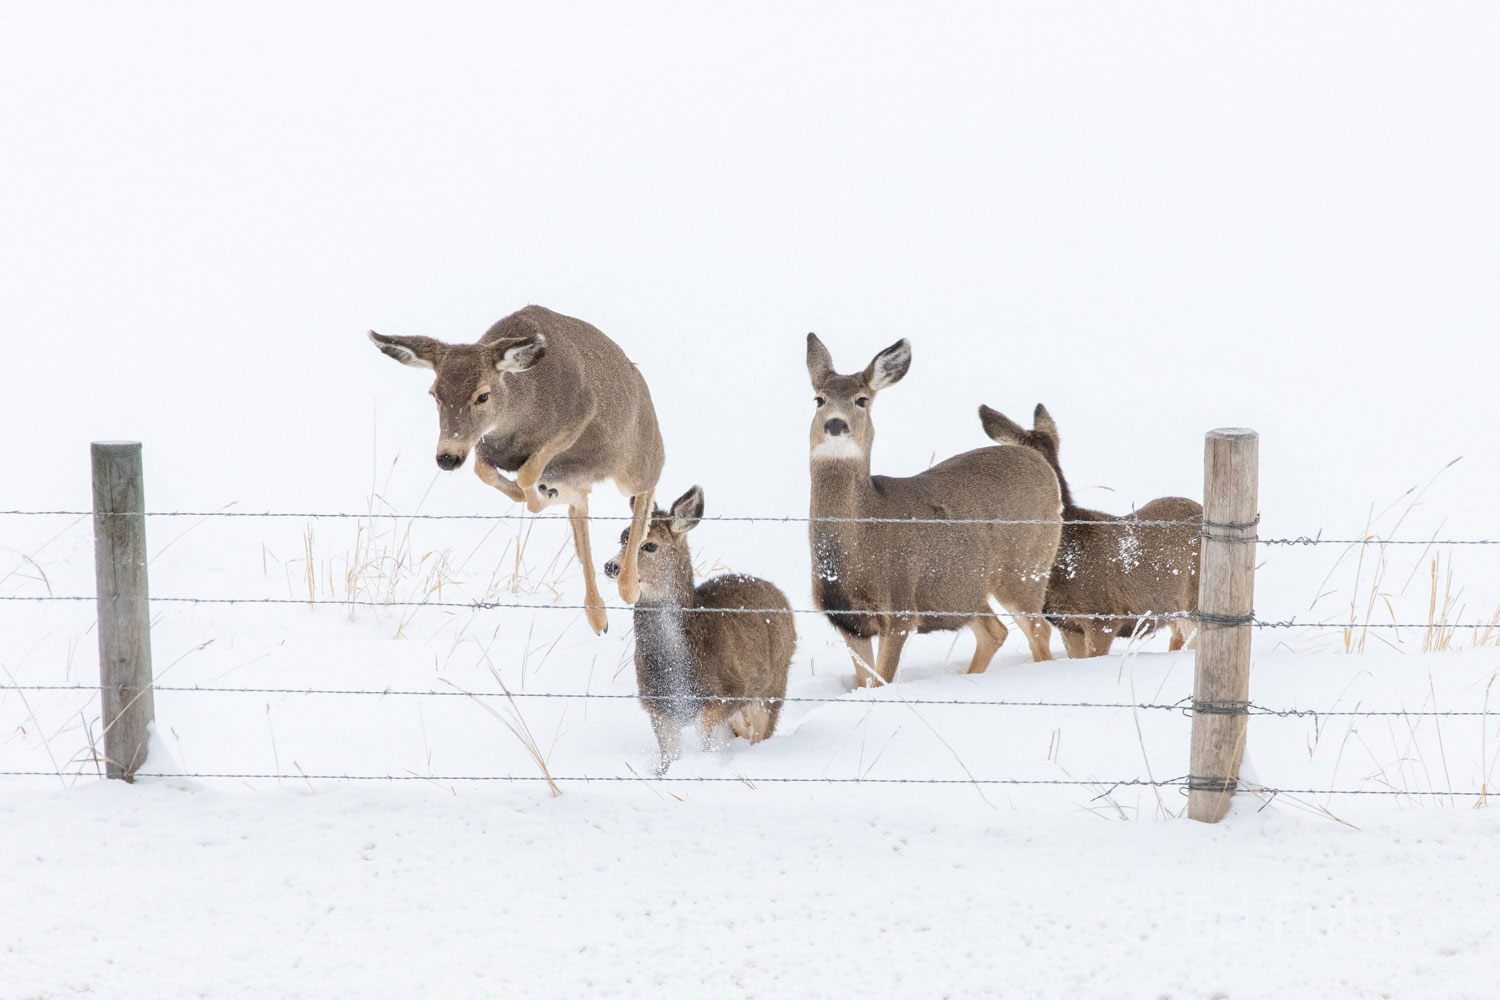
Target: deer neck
<point>842,488</point>
<point>842,492</point>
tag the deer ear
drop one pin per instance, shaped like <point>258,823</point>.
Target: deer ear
<point>1001,428</point>
<point>889,366</point>
<point>1041,421</point>
<point>519,355</point>
<point>687,511</point>
<point>418,352</point>
<point>819,361</point>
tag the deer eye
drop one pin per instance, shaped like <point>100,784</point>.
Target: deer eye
<point>819,400</point>
<point>649,547</point>
<point>862,402</point>
<point>481,399</point>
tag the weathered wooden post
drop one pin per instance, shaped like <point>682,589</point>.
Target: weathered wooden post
<point>124,618</point>
<point>1226,602</point>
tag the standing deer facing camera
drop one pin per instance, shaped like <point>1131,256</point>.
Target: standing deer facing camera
<point>1109,565</point>
<point>891,579</point>
<point>550,399</point>
<point>730,637</point>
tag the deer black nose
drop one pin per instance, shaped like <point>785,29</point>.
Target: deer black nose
<point>835,427</point>
<point>447,461</point>
<point>612,569</point>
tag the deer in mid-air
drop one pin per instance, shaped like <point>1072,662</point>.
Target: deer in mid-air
<point>729,637</point>
<point>554,402</point>
<point>903,573</point>
<point>1111,565</point>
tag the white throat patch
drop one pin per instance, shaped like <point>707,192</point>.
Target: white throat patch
<point>832,447</point>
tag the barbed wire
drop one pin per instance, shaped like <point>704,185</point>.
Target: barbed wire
<point>1185,705</point>
<point>1202,617</point>
<point>478,605</point>
<point>600,696</point>
<point>1121,521</point>
<point>1184,784</point>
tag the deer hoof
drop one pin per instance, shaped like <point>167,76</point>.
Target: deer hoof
<point>630,590</point>
<point>597,619</point>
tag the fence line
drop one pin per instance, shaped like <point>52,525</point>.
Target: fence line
<point>1184,705</point>
<point>1124,521</point>
<point>1183,784</point>
<point>478,605</point>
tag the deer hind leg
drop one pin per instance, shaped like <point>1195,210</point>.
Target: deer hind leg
<point>862,652</point>
<point>630,581</point>
<point>1184,634</point>
<point>989,636</point>
<point>889,656</point>
<point>1075,643</point>
<point>578,519</point>
<point>752,722</point>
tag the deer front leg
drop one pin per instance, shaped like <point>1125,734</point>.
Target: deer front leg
<point>530,472</point>
<point>492,476</point>
<point>668,739</point>
<point>578,520</point>
<point>862,652</point>
<point>630,581</point>
<point>889,655</point>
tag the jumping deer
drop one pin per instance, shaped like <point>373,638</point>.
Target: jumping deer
<point>903,573</point>
<point>1110,565</point>
<point>556,403</point>
<point>695,644</point>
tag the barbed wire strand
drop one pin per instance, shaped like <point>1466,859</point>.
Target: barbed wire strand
<point>750,519</point>
<point>1185,705</point>
<point>1123,521</point>
<point>477,605</point>
<point>751,780</point>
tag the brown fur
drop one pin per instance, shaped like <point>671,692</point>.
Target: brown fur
<point>1112,565</point>
<point>889,580</point>
<point>550,399</point>
<point>684,655</point>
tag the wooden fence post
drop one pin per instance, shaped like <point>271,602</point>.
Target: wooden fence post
<point>126,697</point>
<point>1226,602</point>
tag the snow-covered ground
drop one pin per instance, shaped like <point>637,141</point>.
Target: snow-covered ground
<point>1155,219</point>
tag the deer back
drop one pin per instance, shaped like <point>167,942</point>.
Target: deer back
<point>584,376</point>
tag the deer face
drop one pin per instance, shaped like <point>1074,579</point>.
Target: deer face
<point>841,426</point>
<point>470,387</point>
<point>666,567</point>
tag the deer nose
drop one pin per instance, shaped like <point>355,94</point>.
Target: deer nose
<point>835,427</point>
<point>447,461</point>
<point>612,570</point>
